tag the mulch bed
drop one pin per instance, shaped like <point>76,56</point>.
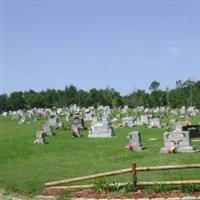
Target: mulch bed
<point>89,193</point>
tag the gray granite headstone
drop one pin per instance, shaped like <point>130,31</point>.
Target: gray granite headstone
<point>101,129</point>
<point>135,140</point>
<point>181,140</point>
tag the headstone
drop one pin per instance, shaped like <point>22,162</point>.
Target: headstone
<point>47,129</point>
<point>162,109</point>
<point>181,140</point>
<point>144,119</point>
<point>78,121</point>
<point>22,121</point>
<point>101,129</point>
<point>20,114</point>
<point>156,110</point>
<point>59,111</point>
<point>192,111</point>
<point>193,129</point>
<point>147,111</point>
<point>183,110</point>
<point>128,121</point>
<point>178,125</point>
<point>140,109</point>
<point>76,130</point>
<point>4,114</point>
<point>163,125</point>
<point>74,108</point>
<point>172,121</point>
<point>94,119</point>
<point>114,120</point>
<point>60,126</point>
<point>100,108</point>
<point>88,115</point>
<point>174,112</point>
<point>135,141</point>
<point>125,109</point>
<point>29,114</point>
<point>154,123</point>
<point>138,122</point>
<point>53,121</point>
<point>77,124</point>
<point>106,112</point>
<point>40,138</point>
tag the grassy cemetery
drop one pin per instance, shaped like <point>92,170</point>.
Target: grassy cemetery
<point>25,165</point>
<point>100,100</point>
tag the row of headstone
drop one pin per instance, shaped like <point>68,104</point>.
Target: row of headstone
<point>142,120</point>
<point>90,112</point>
<point>47,130</point>
<point>180,141</point>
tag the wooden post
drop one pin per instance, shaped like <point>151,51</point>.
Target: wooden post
<point>134,174</point>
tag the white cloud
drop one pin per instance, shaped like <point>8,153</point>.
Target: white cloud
<point>174,50</point>
<point>174,47</point>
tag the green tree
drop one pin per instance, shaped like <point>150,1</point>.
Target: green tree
<point>71,95</point>
<point>16,101</point>
<point>154,86</point>
<point>3,102</point>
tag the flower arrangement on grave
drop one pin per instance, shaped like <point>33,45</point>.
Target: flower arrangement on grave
<point>172,149</point>
<point>130,147</point>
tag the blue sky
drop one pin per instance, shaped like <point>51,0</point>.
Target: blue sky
<point>96,44</point>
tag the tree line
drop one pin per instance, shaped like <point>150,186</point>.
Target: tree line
<point>184,94</point>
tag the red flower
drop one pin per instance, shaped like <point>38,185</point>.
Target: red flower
<point>129,147</point>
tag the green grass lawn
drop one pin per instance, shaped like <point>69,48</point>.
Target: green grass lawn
<point>25,167</point>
